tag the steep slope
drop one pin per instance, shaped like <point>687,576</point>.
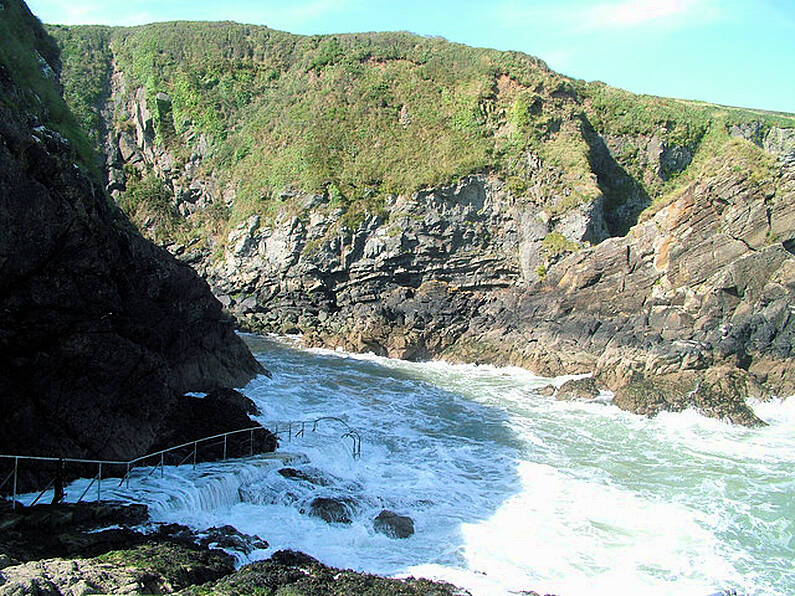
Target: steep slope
<point>419,198</point>
<point>100,330</point>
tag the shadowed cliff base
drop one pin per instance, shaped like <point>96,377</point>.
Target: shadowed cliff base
<point>100,330</point>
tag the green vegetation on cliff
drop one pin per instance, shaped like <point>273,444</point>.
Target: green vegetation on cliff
<point>30,58</point>
<point>359,116</point>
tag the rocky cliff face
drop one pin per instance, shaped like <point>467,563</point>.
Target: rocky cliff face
<point>100,330</point>
<point>692,308</point>
<point>658,259</point>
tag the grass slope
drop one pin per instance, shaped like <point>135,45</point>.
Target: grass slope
<point>359,116</point>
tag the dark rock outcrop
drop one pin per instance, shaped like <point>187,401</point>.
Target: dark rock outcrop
<point>100,330</point>
<point>393,525</point>
<point>333,510</point>
<point>578,389</point>
<point>193,418</point>
<point>293,572</point>
<point>68,529</point>
<point>229,537</point>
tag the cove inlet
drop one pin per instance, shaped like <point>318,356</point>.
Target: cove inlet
<point>508,489</point>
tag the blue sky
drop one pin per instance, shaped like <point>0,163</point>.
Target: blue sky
<point>734,52</point>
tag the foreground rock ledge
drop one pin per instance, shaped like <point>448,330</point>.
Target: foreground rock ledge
<point>58,550</point>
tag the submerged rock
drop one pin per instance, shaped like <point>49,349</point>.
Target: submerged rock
<point>333,510</point>
<point>393,525</point>
<point>229,537</point>
<point>315,477</point>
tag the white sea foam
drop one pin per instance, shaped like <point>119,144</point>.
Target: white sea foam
<point>509,490</point>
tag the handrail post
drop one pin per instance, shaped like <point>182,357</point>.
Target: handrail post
<point>16,468</point>
<point>99,483</point>
<point>162,469</point>
<point>251,442</point>
<point>128,475</point>
<point>225,436</point>
<point>194,454</point>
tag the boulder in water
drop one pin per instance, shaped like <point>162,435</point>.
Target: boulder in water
<point>229,537</point>
<point>393,525</point>
<point>547,390</point>
<point>315,478</point>
<point>578,389</point>
<point>332,510</point>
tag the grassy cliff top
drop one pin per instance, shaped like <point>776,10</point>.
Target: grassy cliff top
<point>358,116</point>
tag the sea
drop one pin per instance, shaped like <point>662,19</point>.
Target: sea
<point>509,490</point>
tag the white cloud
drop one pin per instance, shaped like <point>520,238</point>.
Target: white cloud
<point>635,12</point>
<point>582,15</point>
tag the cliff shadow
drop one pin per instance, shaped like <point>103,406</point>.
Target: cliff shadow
<point>625,197</point>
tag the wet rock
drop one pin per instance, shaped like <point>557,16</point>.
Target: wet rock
<point>578,389</point>
<point>229,537</point>
<point>333,510</point>
<point>290,572</point>
<point>195,418</point>
<point>719,393</point>
<point>315,477</point>
<point>176,533</point>
<point>547,390</point>
<point>69,529</point>
<point>234,399</point>
<point>393,525</point>
<point>62,549</point>
<point>6,561</point>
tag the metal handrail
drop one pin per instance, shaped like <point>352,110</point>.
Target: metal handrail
<point>349,433</point>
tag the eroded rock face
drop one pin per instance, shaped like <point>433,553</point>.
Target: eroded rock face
<point>706,282</point>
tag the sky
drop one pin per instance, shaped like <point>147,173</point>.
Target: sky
<point>733,52</point>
